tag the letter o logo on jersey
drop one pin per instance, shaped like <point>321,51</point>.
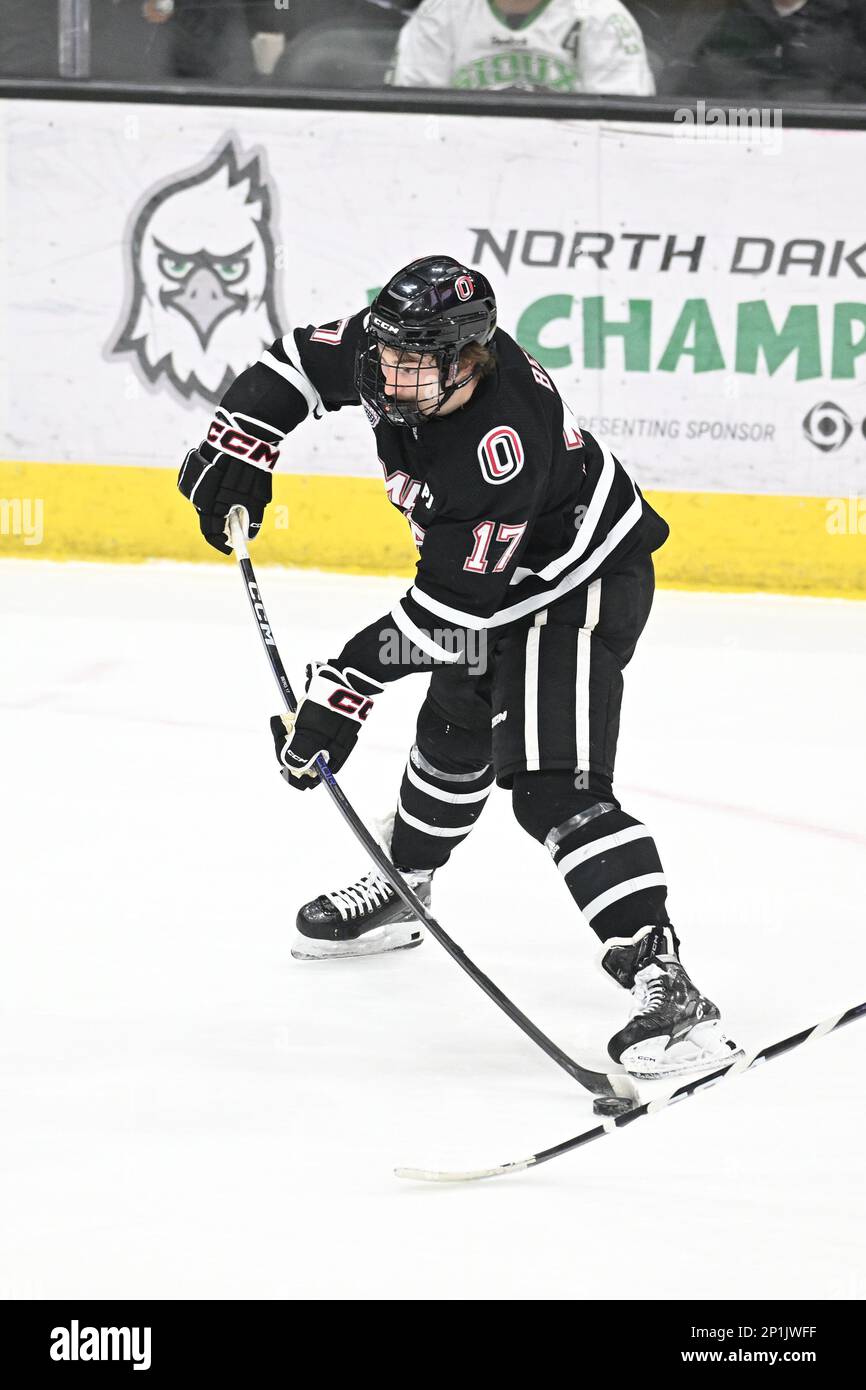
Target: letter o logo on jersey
<point>465,286</point>
<point>500,454</point>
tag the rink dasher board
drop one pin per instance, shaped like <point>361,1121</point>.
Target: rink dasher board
<point>718,346</point>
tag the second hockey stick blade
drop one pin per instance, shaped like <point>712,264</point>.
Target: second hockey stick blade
<point>690,1088</point>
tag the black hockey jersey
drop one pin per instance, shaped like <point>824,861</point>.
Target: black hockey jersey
<point>511,505</point>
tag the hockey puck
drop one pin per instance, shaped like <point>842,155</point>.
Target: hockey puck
<point>611,1106</point>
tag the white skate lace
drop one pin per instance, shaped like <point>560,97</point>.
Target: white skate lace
<point>652,996</point>
<point>368,893</point>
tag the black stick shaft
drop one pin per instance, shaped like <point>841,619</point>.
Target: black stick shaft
<point>596,1082</point>
<point>692,1087</point>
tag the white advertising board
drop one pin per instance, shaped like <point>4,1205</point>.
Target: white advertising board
<point>701,304</point>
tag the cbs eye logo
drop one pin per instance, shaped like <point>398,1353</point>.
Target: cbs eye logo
<point>828,427</point>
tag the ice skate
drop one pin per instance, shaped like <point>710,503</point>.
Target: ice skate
<point>673,1029</point>
<point>365,919</point>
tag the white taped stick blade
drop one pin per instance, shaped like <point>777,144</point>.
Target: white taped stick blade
<point>623,1086</point>
<point>471,1175</point>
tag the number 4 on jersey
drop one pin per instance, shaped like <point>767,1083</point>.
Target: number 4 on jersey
<point>476,563</point>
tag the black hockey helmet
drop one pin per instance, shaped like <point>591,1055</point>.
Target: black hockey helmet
<point>435,307</point>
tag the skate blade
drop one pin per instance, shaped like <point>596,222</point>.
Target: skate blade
<point>375,943</point>
<point>695,1067</point>
<point>704,1047</point>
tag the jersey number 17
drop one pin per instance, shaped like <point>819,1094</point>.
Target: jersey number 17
<point>476,563</point>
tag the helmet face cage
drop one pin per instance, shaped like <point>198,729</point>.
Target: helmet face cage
<point>408,365</point>
<point>410,369</point>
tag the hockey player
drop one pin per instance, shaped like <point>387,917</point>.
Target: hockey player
<point>523,45</point>
<point>534,583</point>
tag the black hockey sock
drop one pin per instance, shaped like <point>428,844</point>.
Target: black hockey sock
<point>608,859</point>
<point>439,804</point>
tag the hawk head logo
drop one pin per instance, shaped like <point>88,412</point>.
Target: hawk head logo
<point>203,299</point>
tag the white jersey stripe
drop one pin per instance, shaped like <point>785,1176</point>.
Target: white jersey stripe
<point>530,694</point>
<point>421,640</point>
<point>442,610</point>
<point>584,661</point>
<point>593,604</point>
<point>588,527</point>
<point>577,576</point>
<point>296,377</point>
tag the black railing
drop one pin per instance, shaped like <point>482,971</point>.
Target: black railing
<point>428,101</point>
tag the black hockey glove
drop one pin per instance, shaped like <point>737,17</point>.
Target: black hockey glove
<point>214,488</point>
<point>328,720</point>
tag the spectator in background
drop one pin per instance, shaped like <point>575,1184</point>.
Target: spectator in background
<point>782,51</point>
<point>272,27</point>
<point>325,43</point>
<point>232,42</point>
<point>523,45</point>
<point>209,41</point>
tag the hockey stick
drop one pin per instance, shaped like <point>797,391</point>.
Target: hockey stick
<point>651,1108</point>
<point>599,1083</point>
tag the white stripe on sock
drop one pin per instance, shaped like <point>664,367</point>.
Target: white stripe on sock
<point>622,890</point>
<point>444,832</point>
<point>417,758</point>
<point>609,842</point>
<point>453,798</point>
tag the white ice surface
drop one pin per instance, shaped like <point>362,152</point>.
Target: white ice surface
<point>188,1112</point>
